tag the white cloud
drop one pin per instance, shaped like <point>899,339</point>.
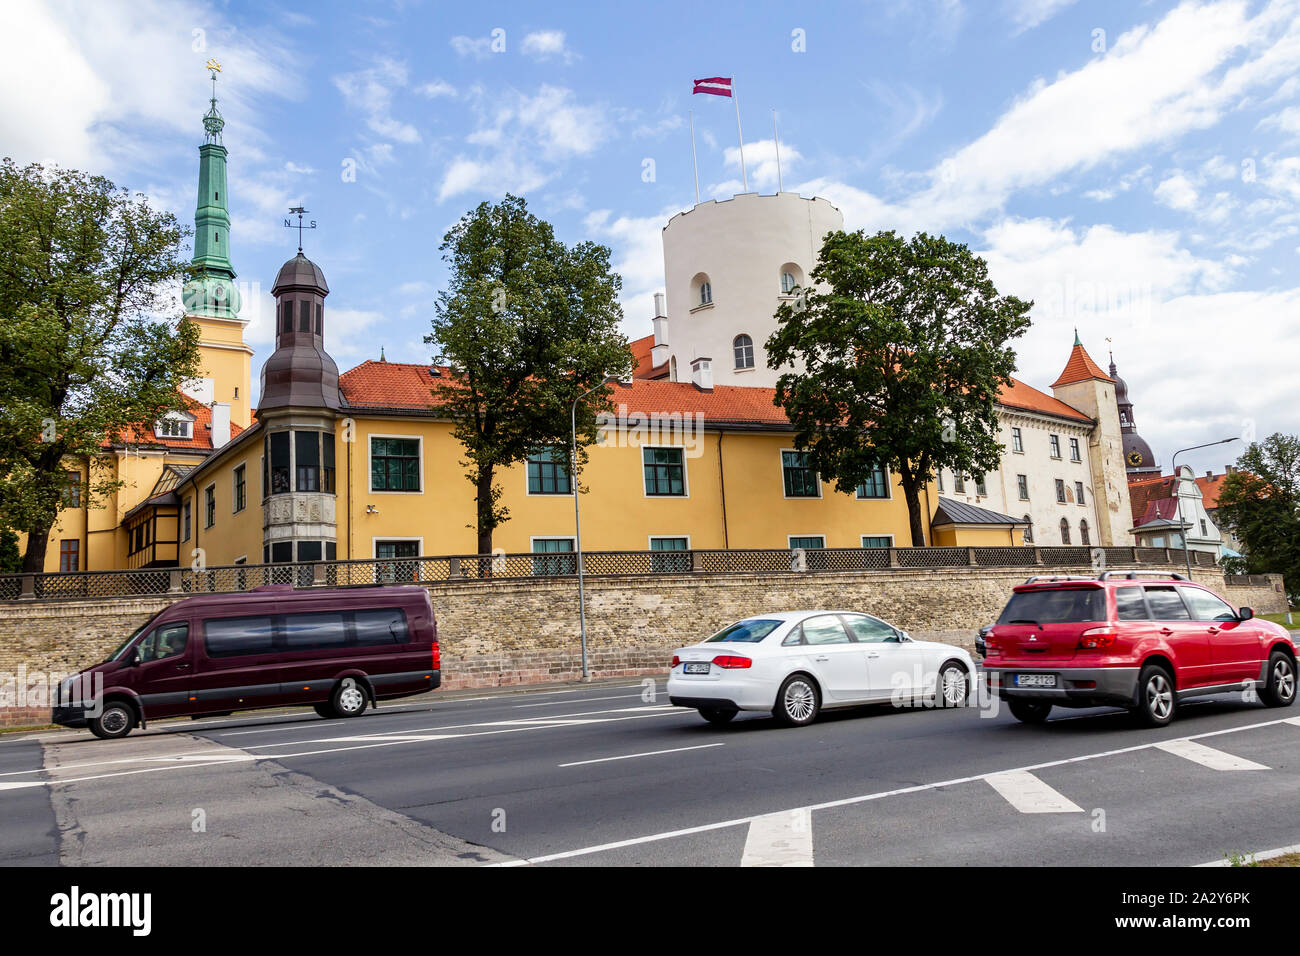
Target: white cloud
<point>1027,14</point>
<point>370,92</point>
<point>637,244</point>
<point>1177,192</point>
<point>548,45</point>
<point>435,89</point>
<point>760,165</point>
<point>479,48</point>
<point>1287,120</point>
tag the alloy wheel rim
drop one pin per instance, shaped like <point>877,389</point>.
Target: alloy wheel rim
<point>1160,699</point>
<point>954,686</point>
<point>799,700</point>
<point>113,720</point>
<point>1284,679</point>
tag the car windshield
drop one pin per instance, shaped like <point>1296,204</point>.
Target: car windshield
<point>746,632</point>
<point>121,648</point>
<point>1055,606</point>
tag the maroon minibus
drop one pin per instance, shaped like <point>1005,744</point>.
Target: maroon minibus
<point>334,649</point>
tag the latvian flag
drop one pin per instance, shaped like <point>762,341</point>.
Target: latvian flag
<point>717,85</point>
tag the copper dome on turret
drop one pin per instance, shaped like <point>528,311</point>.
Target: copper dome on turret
<point>300,373</point>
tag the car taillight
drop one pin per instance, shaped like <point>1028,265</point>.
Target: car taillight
<point>991,645</point>
<point>726,660</point>
<point>676,660</point>
<point>437,657</point>
<point>1096,637</point>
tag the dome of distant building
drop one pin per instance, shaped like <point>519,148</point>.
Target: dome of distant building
<point>1138,457</point>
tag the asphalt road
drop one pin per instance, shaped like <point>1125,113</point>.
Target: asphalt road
<point>600,775</point>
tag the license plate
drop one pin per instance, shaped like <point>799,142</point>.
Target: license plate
<point>1035,680</point>
<point>696,668</point>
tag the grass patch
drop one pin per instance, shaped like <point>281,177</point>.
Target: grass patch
<point>29,727</point>
<point>1280,618</point>
<point>1289,859</point>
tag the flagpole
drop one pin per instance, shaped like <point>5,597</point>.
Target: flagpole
<point>741,136</point>
<point>694,159</point>
<point>776,139</point>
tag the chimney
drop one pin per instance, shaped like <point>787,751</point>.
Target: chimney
<point>702,374</point>
<point>659,353</point>
<point>1209,473</point>
<point>220,424</point>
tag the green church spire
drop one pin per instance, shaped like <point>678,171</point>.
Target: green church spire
<point>211,291</point>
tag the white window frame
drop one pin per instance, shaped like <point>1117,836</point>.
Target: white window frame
<point>863,537</point>
<point>889,487</point>
<point>1079,494</point>
<point>1017,439</point>
<point>1054,446</point>
<point>375,539</point>
<point>1025,496</point>
<point>789,540</point>
<point>573,485</point>
<point>234,501</point>
<point>780,463</point>
<point>686,474</point>
<point>370,475</point>
<point>650,538</point>
<point>212,489</point>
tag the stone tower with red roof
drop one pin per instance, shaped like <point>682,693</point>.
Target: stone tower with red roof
<point>1083,385</point>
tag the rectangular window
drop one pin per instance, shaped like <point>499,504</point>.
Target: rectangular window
<point>877,541</point>
<point>1204,530</point>
<point>1056,446</point>
<point>307,460</point>
<point>548,472</point>
<point>241,489</point>
<point>664,472</point>
<point>1078,492</point>
<point>401,555</point>
<point>185,519</point>
<point>1167,605</point>
<point>1022,485</point>
<point>69,555</point>
<point>304,316</point>
<point>282,552</point>
<point>939,478</point>
<point>807,541</point>
<point>278,442</point>
<point>309,550</point>
<point>1060,490</point>
<point>381,626</point>
<point>286,321</point>
<point>1130,605</point>
<point>663,558</point>
<point>209,506</point>
<point>327,462</point>
<point>558,557</point>
<point>1056,606</point>
<point>394,464</point>
<point>1074,450</point>
<point>1017,440</point>
<point>980,487</point>
<point>320,309</point>
<point>876,485</point>
<point>799,475</point>
<point>72,490</point>
<point>311,632</point>
<point>958,483</point>
<point>239,636</point>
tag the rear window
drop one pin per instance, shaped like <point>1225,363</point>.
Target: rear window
<point>746,632</point>
<point>1055,606</point>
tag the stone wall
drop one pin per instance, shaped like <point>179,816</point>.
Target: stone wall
<point>515,632</point>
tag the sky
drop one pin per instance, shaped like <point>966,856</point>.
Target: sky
<point>1132,167</point>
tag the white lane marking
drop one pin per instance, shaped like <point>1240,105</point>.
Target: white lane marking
<point>19,786</point>
<point>1293,720</point>
<point>1028,794</point>
<point>780,839</point>
<point>1260,855</point>
<point>1208,756</point>
<point>552,703</point>
<point>866,798</point>
<point>648,753</point>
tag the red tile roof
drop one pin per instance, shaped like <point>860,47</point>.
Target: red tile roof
<point>1080,368</point>
<point>1147,489</point>
<point>408,387</point>
<point>641,352</point>
<point>201,432</point>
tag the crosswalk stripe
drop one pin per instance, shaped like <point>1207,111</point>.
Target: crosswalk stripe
<point>1028,794</point>
<point>1207,756</point>
<point>780,839</point>
<point>1293,720</point>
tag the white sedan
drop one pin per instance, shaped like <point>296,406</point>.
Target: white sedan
<point>796,663</point>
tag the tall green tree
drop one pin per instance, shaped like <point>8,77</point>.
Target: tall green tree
<point>895,356</point>
<point>526,325</point>
<point>85,271</point>
<point>1260,503</point>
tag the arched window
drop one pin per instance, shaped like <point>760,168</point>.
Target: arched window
<point>1083,532</point>
<point>706,293</point>
<point>743,346</point>
<point>788,283</point>
<point>672,369</point>
<point>1065,531</point>
<point>1029,530</point>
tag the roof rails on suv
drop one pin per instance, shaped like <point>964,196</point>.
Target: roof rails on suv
<point>1108,575</point>
<point>1060,577</point>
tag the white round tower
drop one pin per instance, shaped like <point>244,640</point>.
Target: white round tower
<point>727,267</point>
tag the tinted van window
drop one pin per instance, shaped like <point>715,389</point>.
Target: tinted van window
<point>1055,606</point>
<point>1130,605</point>
<point>1166,605</point>
<point>233,636</point>
<point>386,626</point>
<point>305,632</point>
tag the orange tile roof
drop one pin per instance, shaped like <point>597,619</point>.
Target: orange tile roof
<point>641,352</point>
<point>1080,368</point>
<point>201,432</point>
<point>1149,488</point>
<point>401,386</point>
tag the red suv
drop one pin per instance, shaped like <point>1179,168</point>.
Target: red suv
<point>1132,640</point>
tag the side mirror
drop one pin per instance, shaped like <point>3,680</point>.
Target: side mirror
<point>133,657</point>
<point>904,637</point>
<point>1246,613</point>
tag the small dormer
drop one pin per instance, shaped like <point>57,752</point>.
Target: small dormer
<point>175,426</point>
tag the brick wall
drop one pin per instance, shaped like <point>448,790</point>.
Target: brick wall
<point>514,632</point>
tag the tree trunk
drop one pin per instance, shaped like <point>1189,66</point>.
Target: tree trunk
<point>912,494</point>
<point>38,541</point>
<point>484,503</point>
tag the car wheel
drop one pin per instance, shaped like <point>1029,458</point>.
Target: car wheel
<point>1279,691</point>
<point>116,721</point>
<point>1029,711</point>
<point>1157,701</point>
<point>953,686</point>
<point>797,702</point>
<point>348,699</point>
<point>325,710</point>
<point>717,715</point>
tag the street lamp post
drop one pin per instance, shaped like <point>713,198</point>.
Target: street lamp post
<point>1182,525</point>
<point>577,520</point>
